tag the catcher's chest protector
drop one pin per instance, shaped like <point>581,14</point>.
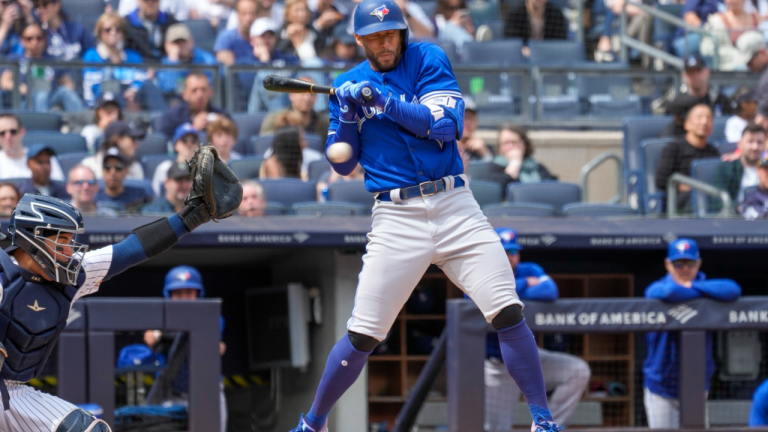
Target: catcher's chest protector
<point>33,313</point>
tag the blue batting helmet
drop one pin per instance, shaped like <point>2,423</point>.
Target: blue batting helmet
<point>183,277</point>
<point>372,16</point>
<point>36,226</point>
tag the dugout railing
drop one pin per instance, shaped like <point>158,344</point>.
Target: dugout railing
<point>463,347</point>
<point>87,355</point>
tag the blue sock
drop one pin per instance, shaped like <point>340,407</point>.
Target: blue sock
<point>521,357</point>
<point>341,371</point>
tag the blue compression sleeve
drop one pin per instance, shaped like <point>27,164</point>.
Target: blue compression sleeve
<point>346,132</point>
<point>130,252</point>
<point>422,120</point>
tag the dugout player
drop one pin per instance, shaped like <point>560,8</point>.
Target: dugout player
<point>46,270</point>
<point>565,375</point>
<point>405,139</point>
<point>661,368</point>
<point>759,415</point>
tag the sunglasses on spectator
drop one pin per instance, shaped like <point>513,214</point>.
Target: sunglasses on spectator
<point>112,29</point>
<point>13,132</point>
<point>90,182</point>
<point>36,38</point>
<point>684,263</point>
<point>117,167</point>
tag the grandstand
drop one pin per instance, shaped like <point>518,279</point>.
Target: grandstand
<point>594,102</point>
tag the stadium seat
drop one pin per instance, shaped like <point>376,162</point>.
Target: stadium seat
<point>609,96</point>
<point>518,210</point>
<point>59,142</point>
<point>351,192</point>
<point>497,28</point>
<point>142,184</point>
<point>203,32</point>
<point>84,10</point>
<point>494,92</point>
<point>315,142</point>
<point>69,160</point>
<point>557,99</point>
<point>275,209</point>
<point>556,52</point>
<point>149,163</point>
<point>154,122</point>
<point>599,210</point>
<point>15,180</point>
<point>486,192</point>
<point>290,190</point>
<point>497,52</point>
<point>450,50</point>
<point>704,170</point>
<point>247,167</point>
<point>718,131</point>
<point>152,144</point>
<point>329,208</point>
<point>724,147</point>
<point>260,144</point>
<point>248,125</point>
<point>636,129</point>
<point>554,193</point>
<point>38,121</point>
<point>477,169</point>
<point>653,201</point>
<point>242,147</point>
<point>317,168</point>
<point>483,11</point>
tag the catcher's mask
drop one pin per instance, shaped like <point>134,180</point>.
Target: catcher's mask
<point>38,224</point>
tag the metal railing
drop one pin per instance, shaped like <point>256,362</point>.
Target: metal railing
<point>590,167</point>
<point>678,179</point>
<point>627,42</point>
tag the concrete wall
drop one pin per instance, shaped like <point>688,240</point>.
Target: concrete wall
<point>565,152</point>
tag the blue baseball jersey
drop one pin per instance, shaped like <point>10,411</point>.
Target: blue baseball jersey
<point>392,156</point>
<point>759,415</point>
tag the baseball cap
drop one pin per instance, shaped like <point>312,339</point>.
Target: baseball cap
<point>469,104</point>
<point>37,148</point>
<point>122,128</point>
<point>178,32</point>
<point>178,170</point>
<point>695,61</point>
<point>508,238</point>
<point>683,248</point>
<point>763,162</point>
<point>107,98</point>
<point>680,105</point>
<point>183,277</point>
<point>261,26</point>
<point>114,152</point>
<point>749,44</point>
<point>185,129</point>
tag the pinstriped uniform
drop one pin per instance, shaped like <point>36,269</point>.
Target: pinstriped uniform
<point>32,410</point>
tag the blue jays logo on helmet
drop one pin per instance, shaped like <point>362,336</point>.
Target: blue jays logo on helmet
<point>380,12</point>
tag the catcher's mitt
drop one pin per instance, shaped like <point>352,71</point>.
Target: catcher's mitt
<point>216,191</point>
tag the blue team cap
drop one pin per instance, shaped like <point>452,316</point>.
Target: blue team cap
<point>135,355</point>
<point>508,238</point>
<point>37,148</point>
<point>185,129</point>
<point>183,277</point>
<point>683,248</point>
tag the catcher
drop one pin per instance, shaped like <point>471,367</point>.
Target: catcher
<point>46,270</point>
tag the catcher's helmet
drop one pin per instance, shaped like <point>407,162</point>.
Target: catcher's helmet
<point>34,221</point>
<point>372,16</point>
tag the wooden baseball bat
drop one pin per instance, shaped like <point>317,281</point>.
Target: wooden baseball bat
<point>293,85</point>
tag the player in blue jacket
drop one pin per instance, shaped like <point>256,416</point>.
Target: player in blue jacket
<point>565,375</point>
<point>759,415</point>
<point>404,136</point>
<point>683,282</point>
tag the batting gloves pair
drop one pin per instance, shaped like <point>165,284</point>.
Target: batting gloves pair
<point>350,97</point>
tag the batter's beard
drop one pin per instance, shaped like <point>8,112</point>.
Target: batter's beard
<point>378,66</point>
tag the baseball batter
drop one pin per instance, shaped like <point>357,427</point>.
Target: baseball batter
<point>46,270</point>
<point>405,138</point>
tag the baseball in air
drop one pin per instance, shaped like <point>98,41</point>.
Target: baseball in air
<point>339,152</point>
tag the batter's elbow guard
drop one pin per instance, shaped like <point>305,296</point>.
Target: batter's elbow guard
<point>508,317</point>
<point>443,130</point>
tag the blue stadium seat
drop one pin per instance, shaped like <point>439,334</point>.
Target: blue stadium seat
<point>497,52</point>
<point>59,142</point>
<point>483,12</point>
<point>599,210</point>
<point>519,210</point>
<point>274,208</point>
<point>556,52</point>
<point>154,122</point>
<point>609,96</point>
<point>477,169</point>
<point>143,184</point>
<point>636,129</point>
<point>494,92</point>
<point>329,208</point>
<point>84,10</point>
<point>317,168</point>
<point>203,32</point>
<point>724,147</point>
<point>557,100</point>
<point>497,28</point>
<point>69,160</point>
<point>247,167</point>
<point>351,192</point>
<point>315,142</point>
<point>718,131</point>
<point>242,147</point>
<point>290,190</point>
<point>149,163</point>
<point>704,170</point>
<point>16,180</point>
<point>554,193</point>
<point>486,192</point>
<point>38,121</point>
<point>653,199</point>
<point>261,143</point>
<point>248,125</point>
<point>152,144</point>
<point>450,50</point>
